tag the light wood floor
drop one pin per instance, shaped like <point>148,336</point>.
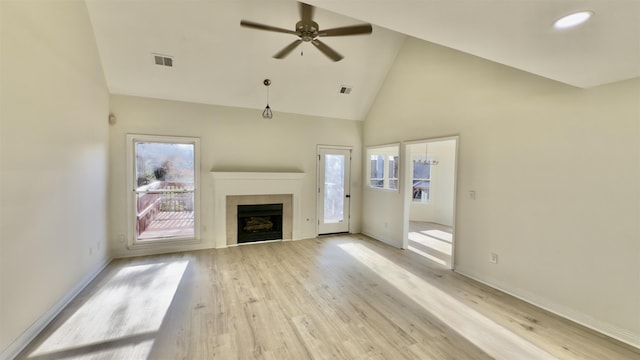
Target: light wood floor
<point>432,241</point>
<point>339,297</point>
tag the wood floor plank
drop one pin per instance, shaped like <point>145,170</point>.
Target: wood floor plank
<point>339,297</point>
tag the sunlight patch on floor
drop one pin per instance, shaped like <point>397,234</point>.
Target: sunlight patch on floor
<point>437,249</point>
<point>492,338</point>
<point>439,234</point>
<point>426,255</point>
<point>432,243</point>
<point>122,319</point>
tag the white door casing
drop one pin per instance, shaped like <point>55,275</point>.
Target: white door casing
<point>334,198</point>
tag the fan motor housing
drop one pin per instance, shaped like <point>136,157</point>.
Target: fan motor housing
<point>307,31</point>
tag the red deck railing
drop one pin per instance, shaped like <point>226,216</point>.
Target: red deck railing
<point>163,212</point>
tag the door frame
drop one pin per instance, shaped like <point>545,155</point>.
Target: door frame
<point>408,187</point>
<point>319,202</point>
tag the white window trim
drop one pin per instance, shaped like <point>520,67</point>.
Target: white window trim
<point>132,244</point>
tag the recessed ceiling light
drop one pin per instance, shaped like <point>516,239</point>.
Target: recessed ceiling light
<point>572,20</point>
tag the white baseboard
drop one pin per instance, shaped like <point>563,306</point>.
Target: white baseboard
<point>164,249</point>
<point>383,239</point>
<point>20,343</point>
<point>306,235</point>
<point>585,320</point>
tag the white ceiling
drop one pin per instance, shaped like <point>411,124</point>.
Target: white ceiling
<point>218,62</point>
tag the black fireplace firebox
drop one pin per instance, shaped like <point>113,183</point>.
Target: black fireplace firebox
<point>259,222</point>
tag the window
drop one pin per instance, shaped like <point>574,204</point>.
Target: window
<point>393,171</point>
<point>421,178</point>
<point>383,167</point>
<point>164,178</point>
<point>376,178</point>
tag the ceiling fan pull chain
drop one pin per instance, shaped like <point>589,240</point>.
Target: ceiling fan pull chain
<point>302,49</point>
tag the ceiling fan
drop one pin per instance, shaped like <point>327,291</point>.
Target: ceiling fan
<point>307,30</point>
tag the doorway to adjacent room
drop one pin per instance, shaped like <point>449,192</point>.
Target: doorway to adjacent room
<point>429,211</point>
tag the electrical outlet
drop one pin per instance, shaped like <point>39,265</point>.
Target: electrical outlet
<point>121,238</point>
<point>494,258</point>
<point>472,195</point>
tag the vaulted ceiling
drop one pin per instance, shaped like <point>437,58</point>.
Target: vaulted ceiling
<point>216,61</point>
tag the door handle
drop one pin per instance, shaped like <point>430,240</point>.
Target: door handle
<point>348,196</point>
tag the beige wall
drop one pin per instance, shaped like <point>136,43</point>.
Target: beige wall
<point>53,162</point>
<point>231,139</point>
<point>556,171</point>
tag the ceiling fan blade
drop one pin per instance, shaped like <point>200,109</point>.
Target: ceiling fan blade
<point>329,52</point>
<point>306,12</point>
<point>347,30</point>
<point>255,25</point>
<point>287,50</point>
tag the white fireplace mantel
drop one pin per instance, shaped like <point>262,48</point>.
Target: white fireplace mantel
<point>240,175</point>
<point>228,183</point>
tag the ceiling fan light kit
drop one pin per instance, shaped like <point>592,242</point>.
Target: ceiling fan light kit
<point>309,31</point>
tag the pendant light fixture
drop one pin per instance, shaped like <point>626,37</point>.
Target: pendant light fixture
<point>426,160</point>
<point>267,113</point>
<point>426,157</point>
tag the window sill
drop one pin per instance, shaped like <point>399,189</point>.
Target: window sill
<point>383,189</point>
<point>163,244</point>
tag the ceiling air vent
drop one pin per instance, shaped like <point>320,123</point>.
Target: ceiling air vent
<point>163,60</point>
<point>345,89</point>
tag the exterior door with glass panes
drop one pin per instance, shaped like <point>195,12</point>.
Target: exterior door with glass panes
<point>334,172</point>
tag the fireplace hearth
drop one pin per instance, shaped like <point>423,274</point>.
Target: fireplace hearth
<point>259,222</point>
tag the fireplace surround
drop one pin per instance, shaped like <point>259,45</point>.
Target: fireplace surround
<point>248,188</point>
<point>234,201</point>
